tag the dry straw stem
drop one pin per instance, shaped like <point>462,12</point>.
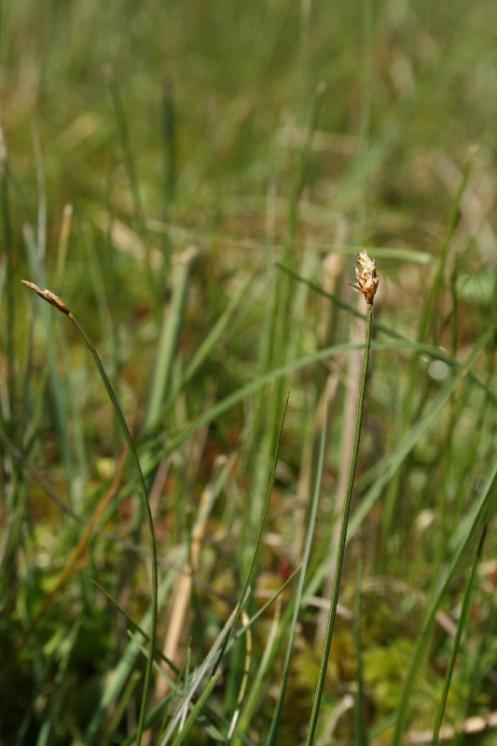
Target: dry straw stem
<point>367,284</point>
<point>177,624</point>
<point>54,300</point>
<point>472,726</point>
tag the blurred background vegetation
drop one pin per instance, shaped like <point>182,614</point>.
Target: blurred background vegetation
<point>159,163</point>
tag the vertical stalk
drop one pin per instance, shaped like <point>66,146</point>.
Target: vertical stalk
<point>360,733</point>
<point>54,300</point>
<point>171,327</point>
<point>343,535</point>
<point>148,512</point>
<point>275,723</point>
<point>169,140</point>
<point>8,283</point>
<point>457,640</point>
<point>485,504</point>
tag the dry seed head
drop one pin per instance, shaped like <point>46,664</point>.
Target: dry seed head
<point>367,277</point>
<point>47,295</point>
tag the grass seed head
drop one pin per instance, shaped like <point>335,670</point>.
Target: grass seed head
<point>367,277</point>
<point>47,295</point>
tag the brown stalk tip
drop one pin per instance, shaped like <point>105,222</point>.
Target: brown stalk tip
<point>47,295</point>
<point>367,277</point>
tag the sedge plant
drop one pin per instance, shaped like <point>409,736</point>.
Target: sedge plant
<point>367,284</point>
<point>58,303</point>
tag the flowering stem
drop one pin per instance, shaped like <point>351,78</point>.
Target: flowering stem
<point>148,512</point>
<point>343,535</point>
<point>58,303</point>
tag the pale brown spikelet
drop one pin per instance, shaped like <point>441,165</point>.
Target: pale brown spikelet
<point>47,295</point>
<point>367,277</point>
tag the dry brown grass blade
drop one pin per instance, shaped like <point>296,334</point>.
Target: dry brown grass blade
<point>472,726</point>
<point>183,590</point>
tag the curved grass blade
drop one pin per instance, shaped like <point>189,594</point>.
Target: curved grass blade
<point>54,300</point>
<point>485,503</point>
<point>213,336</point>
<point>197,709</point>
<point>121,673</point>
<point>321,355</point>
<point>393,461</point>
<point>468,593</point>
<point>436,353</point>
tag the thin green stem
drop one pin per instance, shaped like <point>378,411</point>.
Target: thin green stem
<point>171,327</point>
<point>343,536</point>
<point>197,709</point>
<point>360,732</point>
<point>8,287</point>
<point>275,723</point>
<point>463,536</point>
<point>144,494</point>
<point>128,153</point>
<point>457,640</point>
<point>262,526</point>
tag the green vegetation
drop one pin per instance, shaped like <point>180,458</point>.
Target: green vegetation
<point>178,453</point>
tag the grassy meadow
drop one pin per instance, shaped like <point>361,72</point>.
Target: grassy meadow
<point>217,523</point>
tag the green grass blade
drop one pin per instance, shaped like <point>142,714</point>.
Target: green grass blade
<point>121,706</point>
<point>121,673</point>
<point>483,504</point>
<point>265,606</point>
<point>360,731</point>
<point>394,460</point>
<point>207,666</point>
<point>129,160</point>
<point>171,326</point>
<point>297,603</point>
<point>197,709</point>
<point>8,282</point>
<point>58,386</point>
<point>148,512</point>
<point>300,364</point>
<point>212,338</point>
<point>463,617</point>
<point>436,353</point>
<point>135,626</point>
<point>215,656</point>
<point>262,527</point>
<point>144,495</point>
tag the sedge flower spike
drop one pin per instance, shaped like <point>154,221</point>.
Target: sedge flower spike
<point>367,277</point>
<point>367,284</point>
<point>47,295</point>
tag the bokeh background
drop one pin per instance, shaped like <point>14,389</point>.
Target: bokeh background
<point>158,160</point>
